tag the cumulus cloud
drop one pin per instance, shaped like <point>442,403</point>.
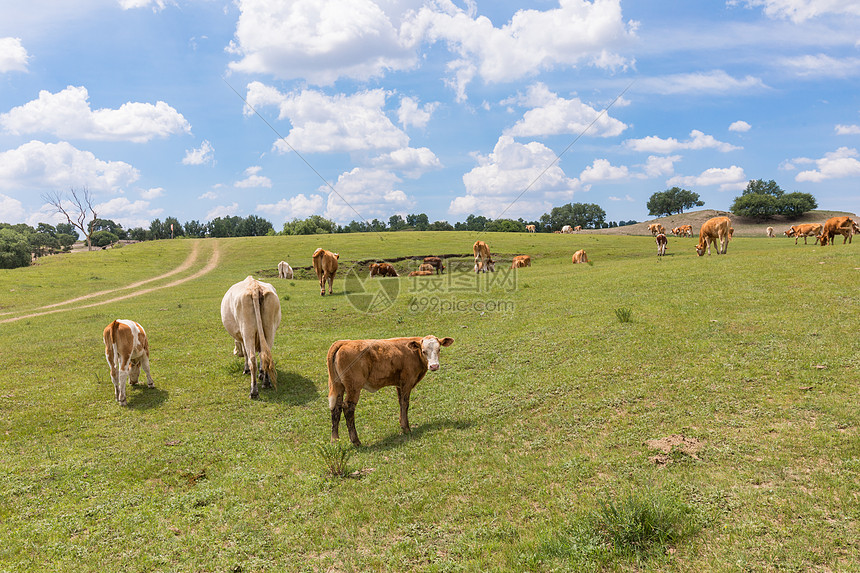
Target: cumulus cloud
<point>323,123</point>
<point>740,126</point>
<point>153,193</point>
<point>157,5</point>
<point>834,165</point>
<point>627,198</point>
<point>602,170</point>
<point>13,56</point>
<point>208,195</point>
<point>698,140</point>
<point>801,10</point>
<point>38,165</point>
<point>363,194</point>
<point>11,208</point>
<point>728,179</point>
<point>715,82</point>
<point>660,166</point>
<point>410,161</point>
<point>67,114</point>
<point>822,66</point>
<point>411,114</point>
<point>128,213</point>
<point>298,207</point>
<point>848,129</point>
<point>200,156</point>
<point>508,171</point>
<point>252,179</point>
<point>553,115</point>
<point>222,211</point>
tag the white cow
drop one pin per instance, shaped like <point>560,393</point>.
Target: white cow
<point>285,271</point>
<point>251,313</point>
<point>567,229</point>
<point>126,351</point>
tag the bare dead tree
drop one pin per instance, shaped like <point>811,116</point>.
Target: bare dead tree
<point>76,214</point>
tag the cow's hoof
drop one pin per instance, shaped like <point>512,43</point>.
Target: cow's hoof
<point>255,395</point>
<point>150,385</point>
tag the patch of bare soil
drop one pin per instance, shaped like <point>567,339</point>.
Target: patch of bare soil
<point>672,446</point>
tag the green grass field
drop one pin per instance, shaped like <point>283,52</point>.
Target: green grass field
<point>530,446</point>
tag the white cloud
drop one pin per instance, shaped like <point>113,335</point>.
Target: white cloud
<point>848,129</point>
<point>222,211</point>
<point>11,210</point>
<point>320,41</point>
<point>298,207</point>
<point>834,165</point>
<point>602,170</point>
<point>716,82</point>
<point>157,5</point>
<point>800,10</point>
<point>627,198</point>
<point>553,115</point>
<point>728,178</point>
<point>200,156</point>
<point>252,180</point>
<point>660,166</point>
<point>129,214</point>
<point>153,193</point>
<point>822,66</point>
<point>698,140</point>
<point>13,56</point>
<point>370,193</point>
<point>208,195</point>
<point>323,123</point>
<point>410,161</point>
<point>67,114</point>
<point>49,166</point>
<point>740,126</point>
<point>411,114</point>
<point>506,173</point>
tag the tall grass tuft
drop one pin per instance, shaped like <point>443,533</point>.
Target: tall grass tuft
<point>335,457</point>
<point>624,314</point>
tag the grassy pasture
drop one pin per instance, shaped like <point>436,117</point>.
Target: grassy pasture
<point>538,420</point>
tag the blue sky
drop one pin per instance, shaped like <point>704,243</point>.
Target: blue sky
<point>446,107</point>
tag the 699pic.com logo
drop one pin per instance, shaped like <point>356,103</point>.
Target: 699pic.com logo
<point>370,295</point>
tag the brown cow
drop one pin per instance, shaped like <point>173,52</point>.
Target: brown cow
<point>325,265</point>
<point>769,232</point>
<point>577,228</point>
<point>656,229</point>
<point>713,230</point>
<point>421,273</point>
<point>521,261</point>
<point>374,364</point>
<point>126,351</point>
<point>436,262</point>
<point>676,231</point>
<point>805,230</point>
<point>382,270</point>
<point>426,267</point>
<point>530,228</point>
<point>837,226</point>
<point>661,244</point>
<point>579,257</point>
<point>686,230</point>
<point>483,262</point>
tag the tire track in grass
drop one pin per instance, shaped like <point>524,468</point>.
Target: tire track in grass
<point>210,266</point>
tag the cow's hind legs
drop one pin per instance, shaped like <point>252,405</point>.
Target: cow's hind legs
<point>336,407</point>
<point>349,414</point>
<point>403,398</point>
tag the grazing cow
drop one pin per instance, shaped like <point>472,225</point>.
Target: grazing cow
<point>483,262</point>
<point>770,232</point>
<point>686,230</point>
<point>251,313</point>
<point>521,261</point>
<point>426,267</point>
<point>436,262</point>
<point>713,230</point>
<point>126,351</point>
<point>578,228</point>
<point>325,265</point>
<point>805,230</point>
<point>656,229</point>
<point>676,231</point>
<point>661,244</point>
<point>421,274</point>
<point>374,364</point>
<point>837,226</point>
<point>557,232</point>
<point>285,271</point>
<point>579,257</point>
<point>731,233</point>
<point>530,228</point>
<point>567,229</point>
<point>382,270</point>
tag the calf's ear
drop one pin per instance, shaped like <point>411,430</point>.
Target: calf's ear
<point>447,341</point>
<point>414,345</point>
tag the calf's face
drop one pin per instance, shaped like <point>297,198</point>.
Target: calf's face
<point>429,347</point>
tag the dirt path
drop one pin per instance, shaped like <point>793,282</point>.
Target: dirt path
<point>192,257</point>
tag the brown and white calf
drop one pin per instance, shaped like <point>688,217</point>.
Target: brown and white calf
<point>354,365</point>
<point>483,262</point>
<point>769,232</point>
<point>530,228</point>
<point>126,351</point>
<point>661,244</point>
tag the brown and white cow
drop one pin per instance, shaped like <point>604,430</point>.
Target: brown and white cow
<point>579,257</point>
<point>577,228</point>
<point>769,232</point>
<point>325,265</point>
<point>530,228</point>
<point>567,229</point>
<point>713,230</point>
<point>686,230</point>
<point>126,351</point>
<point>661,244</point>
<point>285,271</point>
<point>436,262</point>
<point>382,270</point>
<point>426,267</point>
<point>837,226</point>
<point>483,262</point>
<point>805,230</point>
<point>251,313</point>
<point>676,231</point>
<point>421,274</point>
<point>521,261</point>
<point>354,365</point>
<point>656,229</point>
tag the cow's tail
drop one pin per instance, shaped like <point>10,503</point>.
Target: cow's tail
<point>267,363</point>
<point>114,336</point>
<point>317,252</point>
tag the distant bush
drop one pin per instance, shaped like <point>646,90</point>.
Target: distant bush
<point>765,199</point>
<point>103,238</point>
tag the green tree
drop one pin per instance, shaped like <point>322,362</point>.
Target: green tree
<point>418,222</point>
<point>674,200</point>
<point>194,229</point>
<point>586,215</point>
<point>472,223</point>
<point>139,234</point>
<point>253,226</point>
<point>178,229</point>
<point>104,238</point>
<point>764,199</point>
<point>396,223</point>
<point>440,226</point>
<point>67,229</point>
<point>313,225</point>
<point>761,187</point>
<point>110,226</point>
<point>75,210</point>
<point>756,206</point>
<point>506,226</point>
<point>15,249</point>
<point>793,205</point>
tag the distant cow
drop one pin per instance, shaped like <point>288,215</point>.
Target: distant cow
<point>521,261</point>
<point>578,228</point>
<point>713,230</point>
<point>530,228</point>
<point>805,230</point>
<point>483,262</point>
<point>251,313</point>
<point>426,267</point>
<point>686,230</point>
<point>285,271</point>
<point>436,262</point>
<point>373,364</point>
<point>325,265</point>
<point>661,244</point>
<point>382,270</point>
<point>656,229</point>
<point>421,274</point>
<point>837,226</point>
<point>579,257</point>
<point>126,351</point>
<point>567,229</point>
<point>770,232</point>
<point>676,231</point>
